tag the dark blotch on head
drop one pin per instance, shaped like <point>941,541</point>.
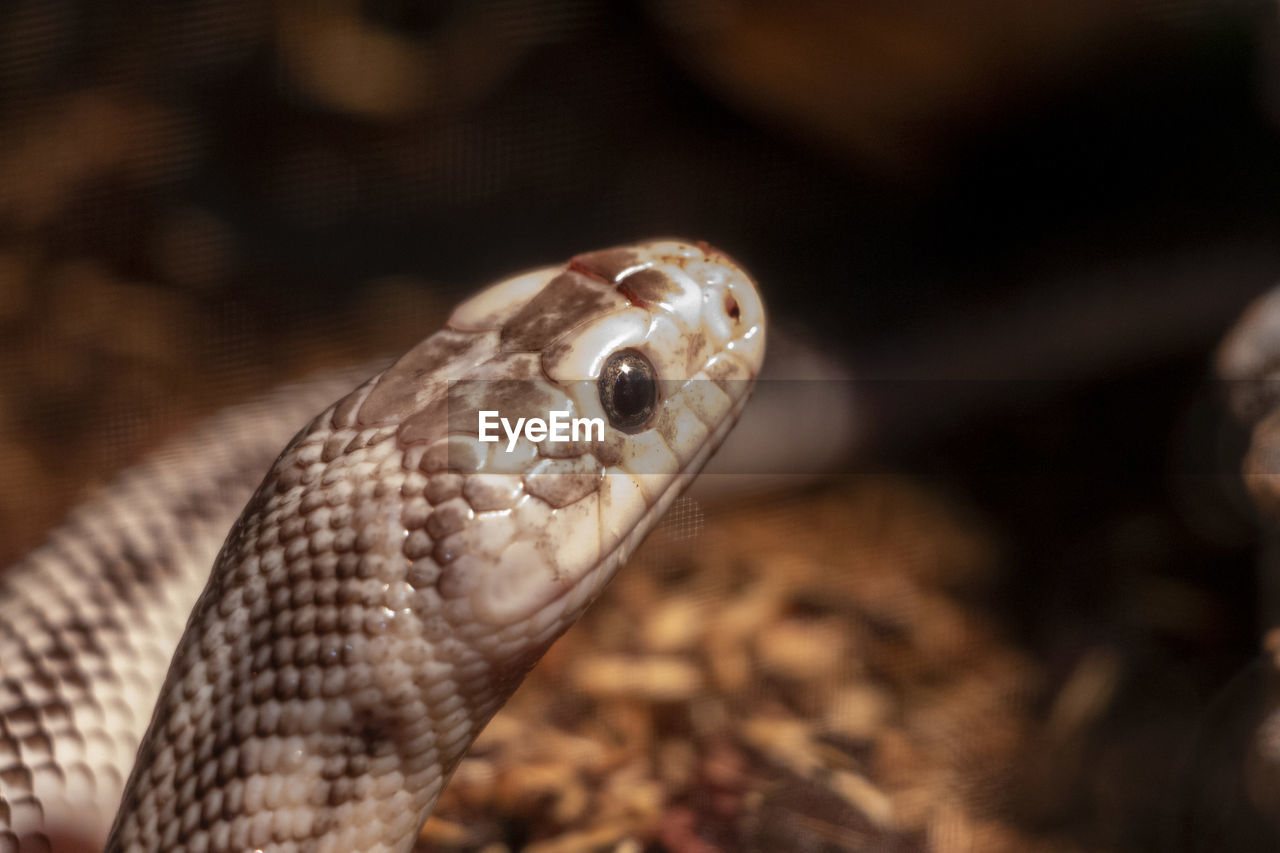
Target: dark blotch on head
<point>397,390</point>
<point>645,287</point>
<point>605,265</point>
<point>524,397</point>
<point>570,300</point>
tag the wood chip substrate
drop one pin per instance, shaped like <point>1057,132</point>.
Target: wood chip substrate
<point>784,673</point>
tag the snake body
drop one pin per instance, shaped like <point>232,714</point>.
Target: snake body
<point>388,584</point>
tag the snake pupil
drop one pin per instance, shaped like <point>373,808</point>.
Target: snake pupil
<point>628,390</point>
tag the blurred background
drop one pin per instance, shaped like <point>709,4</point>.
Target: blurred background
<point>1020,613</point>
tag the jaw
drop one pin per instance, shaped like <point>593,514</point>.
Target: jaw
<point>565,603</point>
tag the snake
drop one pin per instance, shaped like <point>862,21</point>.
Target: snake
<point>382,591</point>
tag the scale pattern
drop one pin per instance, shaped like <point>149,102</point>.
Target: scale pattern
<point>89,620</point>
<point>393,578</point>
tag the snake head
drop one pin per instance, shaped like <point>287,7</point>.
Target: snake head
<point>654,346</point>
<point>658,344</point>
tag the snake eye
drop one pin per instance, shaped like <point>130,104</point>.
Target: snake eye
<point>628,390</point>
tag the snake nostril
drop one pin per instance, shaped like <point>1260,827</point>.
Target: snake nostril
<point>731,306</point>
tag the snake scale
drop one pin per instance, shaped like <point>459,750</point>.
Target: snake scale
<point>386,587</point>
